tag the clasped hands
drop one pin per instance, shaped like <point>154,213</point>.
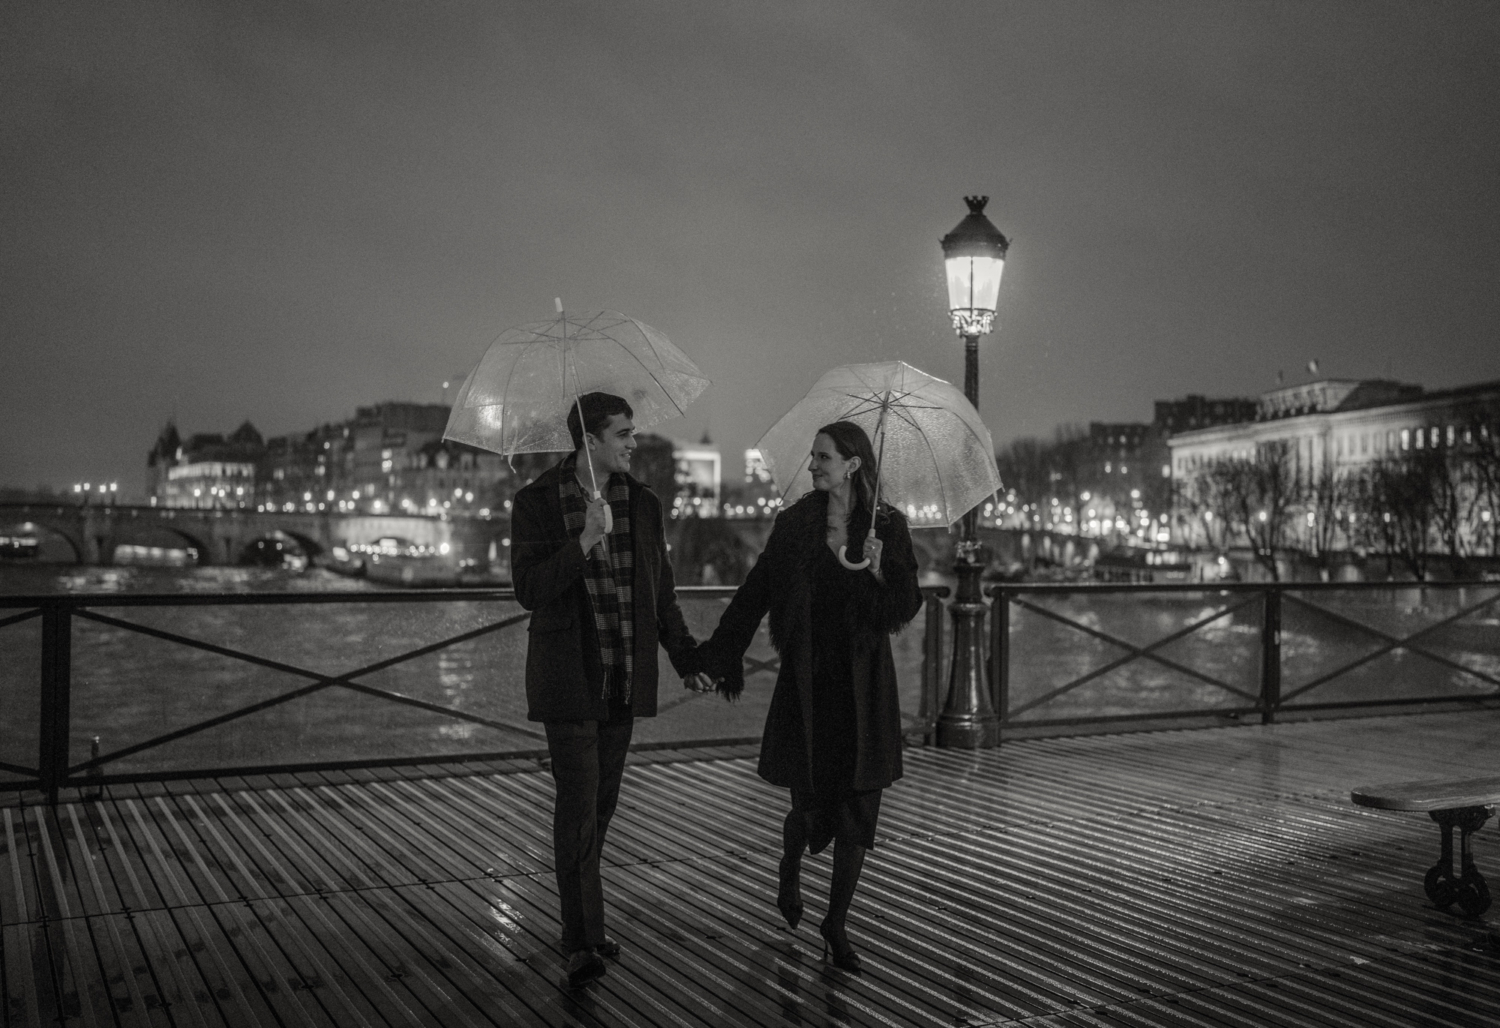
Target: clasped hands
<point>699,682</point>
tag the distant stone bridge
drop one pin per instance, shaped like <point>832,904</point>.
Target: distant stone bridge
<point>94,531</point>
<point>224,536</point>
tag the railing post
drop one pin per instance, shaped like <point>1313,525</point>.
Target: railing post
<point>932,663</point>
<point>56,686</point>
<point>1000,651</point>
<point>1270,656</point>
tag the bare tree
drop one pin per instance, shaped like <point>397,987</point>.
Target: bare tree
<point>1070,470</point>
<point>1261,494</point>
<point>1479,447</point>
<point>1446,475</point>
<point>1372,529</point>
<point>1326,495</point>
<point>1206,505</point>
<point>1024,467</point>
<point>1400,498</point>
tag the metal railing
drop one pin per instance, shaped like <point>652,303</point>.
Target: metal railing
<point>53,735</point>
<point>1143,652</point>
<point>1059,655</point>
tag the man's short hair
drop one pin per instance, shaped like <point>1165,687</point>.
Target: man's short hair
<point>598,408</point>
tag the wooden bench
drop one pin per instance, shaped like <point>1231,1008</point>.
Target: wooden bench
<point>1466,803</point>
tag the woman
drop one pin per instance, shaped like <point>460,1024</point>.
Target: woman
<point>833,733</point>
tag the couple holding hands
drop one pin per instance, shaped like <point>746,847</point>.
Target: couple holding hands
<point>601,591</point>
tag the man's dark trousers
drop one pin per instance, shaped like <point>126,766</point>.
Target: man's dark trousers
<point>588,761</point>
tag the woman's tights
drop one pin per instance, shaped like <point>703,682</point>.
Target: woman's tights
<point>848,862</point>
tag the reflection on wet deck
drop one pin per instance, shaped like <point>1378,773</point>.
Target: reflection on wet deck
<point>1213,877</point>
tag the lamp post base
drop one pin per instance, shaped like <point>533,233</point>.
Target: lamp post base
<point>975,736</point>
<point>968,721</point>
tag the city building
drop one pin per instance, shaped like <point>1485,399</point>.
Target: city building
<point>207,470</point>
<point>756,496</point>
<point>298,470</point>
<point>699,478</point>
<point>445,476</point>
<point>1193,411</point>
<point>1113,480</point>
<point>1331,424</point>
<point>1329,433</point>
<point>388,458</point>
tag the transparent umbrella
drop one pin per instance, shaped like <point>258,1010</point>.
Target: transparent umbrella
<point>937,460</point>
<point>517,397</point>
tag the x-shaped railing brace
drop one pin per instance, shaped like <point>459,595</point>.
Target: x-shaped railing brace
<point>319,682</point>
<point>1391,643</point>
<point>1133,652</point>
<point>754,664</point>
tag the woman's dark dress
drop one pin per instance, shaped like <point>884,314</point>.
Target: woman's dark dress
<point>831,806</point>
<point>831,628</point>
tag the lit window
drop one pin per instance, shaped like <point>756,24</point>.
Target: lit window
<point>1405,439</point>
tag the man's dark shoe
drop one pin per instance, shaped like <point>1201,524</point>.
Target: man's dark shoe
<point>608,948</point>
<point>584,965</point>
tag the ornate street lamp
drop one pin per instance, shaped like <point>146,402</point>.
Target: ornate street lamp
<point>974,253</point>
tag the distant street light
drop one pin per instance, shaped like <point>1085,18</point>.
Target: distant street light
<point>974,255</point>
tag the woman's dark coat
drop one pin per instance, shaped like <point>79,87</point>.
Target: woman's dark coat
<point>564,675</point>
<point>781,584</point>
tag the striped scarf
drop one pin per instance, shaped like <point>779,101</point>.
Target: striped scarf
<point>609,575</point>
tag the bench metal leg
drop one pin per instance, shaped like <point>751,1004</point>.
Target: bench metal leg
<point>1468,888</point>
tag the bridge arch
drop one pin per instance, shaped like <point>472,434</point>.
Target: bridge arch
<point>154,534</point>
<point>22,524</point>
<point>250,546</point>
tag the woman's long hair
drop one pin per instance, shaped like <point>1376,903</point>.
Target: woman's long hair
<point>850,440</point>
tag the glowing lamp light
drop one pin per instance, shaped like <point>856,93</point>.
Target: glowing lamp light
<point>974,254</point>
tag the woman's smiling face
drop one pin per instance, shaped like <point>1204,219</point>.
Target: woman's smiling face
<point>828,467</point>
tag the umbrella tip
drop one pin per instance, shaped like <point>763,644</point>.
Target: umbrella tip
<point>557,302</point>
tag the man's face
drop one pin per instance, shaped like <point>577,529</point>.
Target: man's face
<point>612,447</point>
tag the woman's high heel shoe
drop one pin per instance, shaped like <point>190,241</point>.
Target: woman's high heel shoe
<point>789,891</point>
<point>844,955</point>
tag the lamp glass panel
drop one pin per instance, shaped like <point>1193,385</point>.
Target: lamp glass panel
<point>974,282</point>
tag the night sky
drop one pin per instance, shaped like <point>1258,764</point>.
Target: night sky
<point>282,211</point>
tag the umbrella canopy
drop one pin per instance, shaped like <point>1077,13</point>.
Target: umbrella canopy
<point>516,399</point>
<point>937,461</point>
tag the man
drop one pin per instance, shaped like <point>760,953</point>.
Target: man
<point>602,597</point>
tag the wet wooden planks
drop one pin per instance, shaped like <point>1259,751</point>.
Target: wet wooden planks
<point>1213,877</point>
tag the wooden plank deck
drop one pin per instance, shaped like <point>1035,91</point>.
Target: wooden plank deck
<point>1211,877</point>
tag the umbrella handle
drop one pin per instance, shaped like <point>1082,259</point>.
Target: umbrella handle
<point>844,559</point>
<point>609,516</point>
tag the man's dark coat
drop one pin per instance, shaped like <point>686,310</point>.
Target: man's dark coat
<point>564,676</point>
<point>781,584</point>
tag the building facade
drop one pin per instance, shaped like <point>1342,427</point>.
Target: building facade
<point>1334,424</point>
<point>389,458</point>
<point>1333,431</point>
<point>206,470</point>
